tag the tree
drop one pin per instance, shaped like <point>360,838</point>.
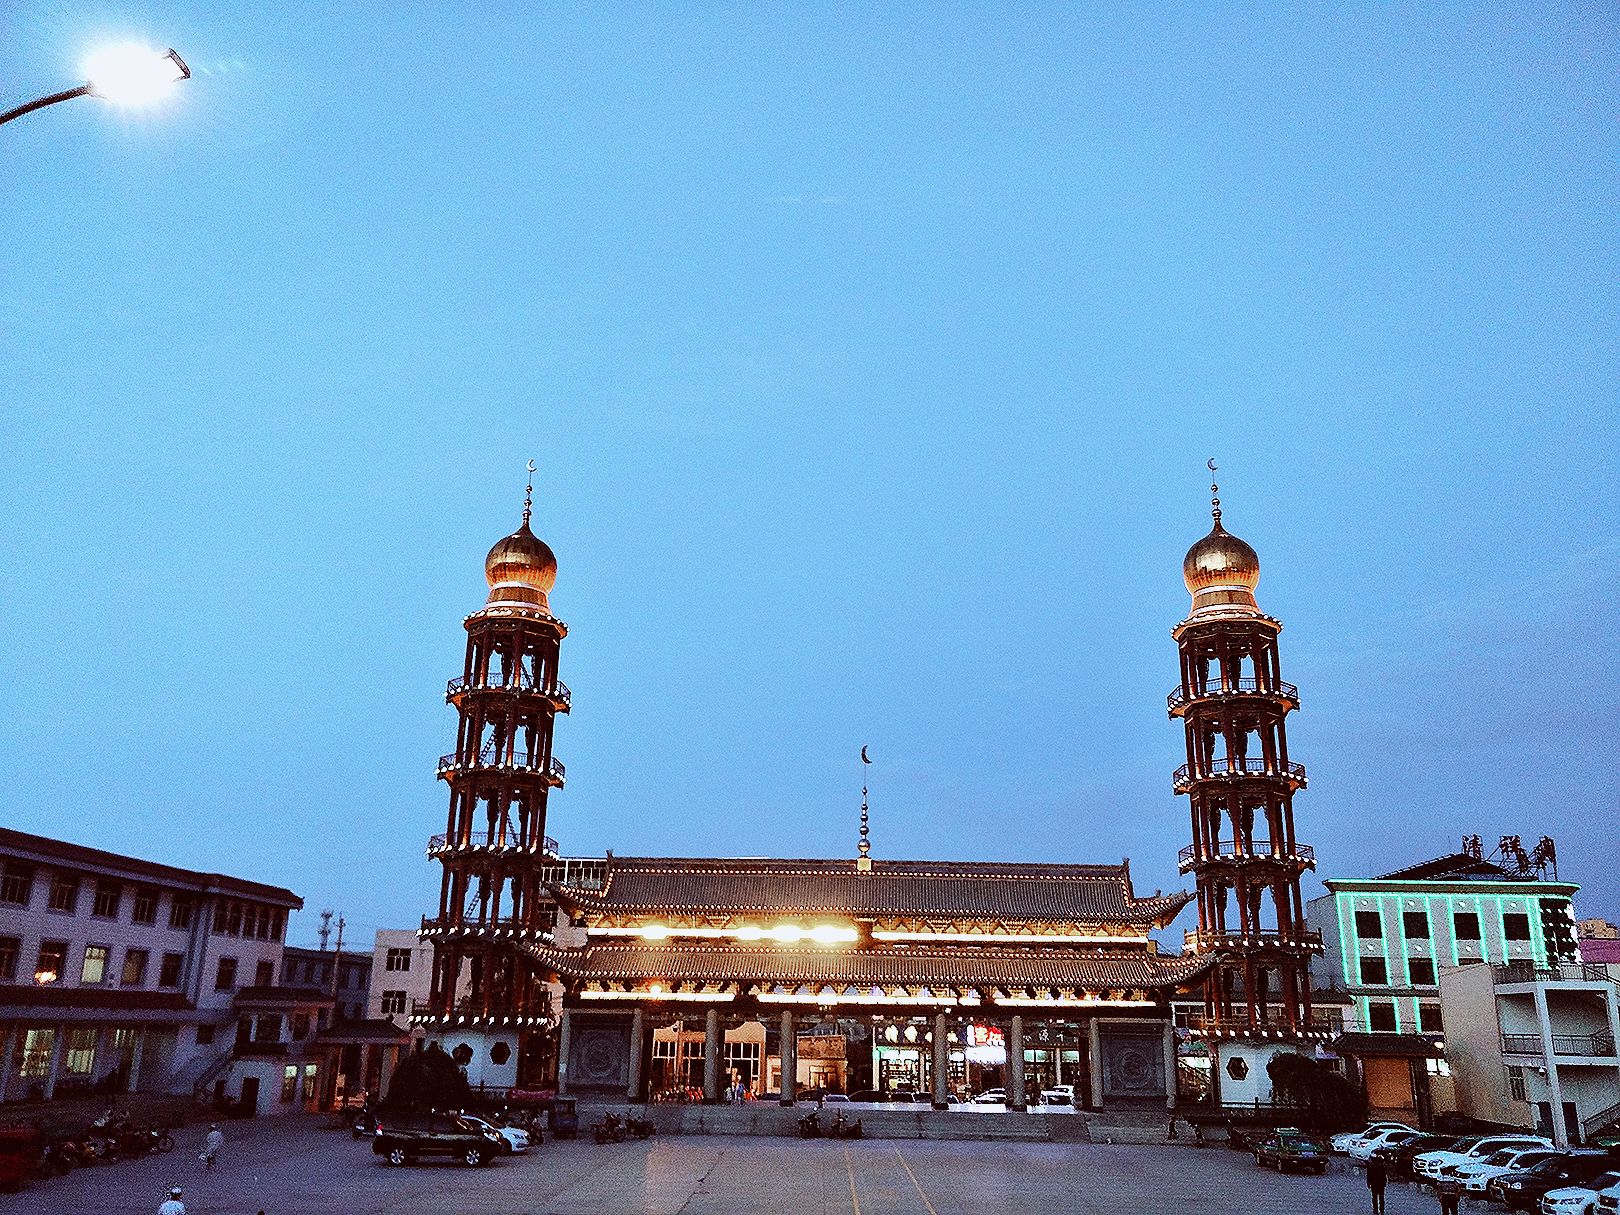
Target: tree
<point>1324,1097</point>
<point>427,1080</point>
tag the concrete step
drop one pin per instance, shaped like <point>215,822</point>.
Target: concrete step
<point>759,1118</point>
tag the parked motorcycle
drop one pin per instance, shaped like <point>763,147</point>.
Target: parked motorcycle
<point>810,1126</point>
<point>609,1130</point>
<point>641,1128</point>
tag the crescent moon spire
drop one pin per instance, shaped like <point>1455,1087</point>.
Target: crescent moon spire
<point>528,495</point>
<point>1214,492</point>
<point>863,861</point>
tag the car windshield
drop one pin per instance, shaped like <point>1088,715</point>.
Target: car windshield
<point>1502,1157</point>
<point>1603,1181</point>
<point>1463,1145</point>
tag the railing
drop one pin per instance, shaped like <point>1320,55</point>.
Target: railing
<point>517,762</point>
<point>248,1050</point>
<point>485,839</point>
<point>1273,1021</point>
<point>552,689</point>
<point>1233,766</point>
<point>1568,972</point>
<point>1263,849</point>
<point>1232,687</point>
<point>1194,941</point>
<point>538,1006</point>
<point>1600,1121</point>
<point>1600,1046</point>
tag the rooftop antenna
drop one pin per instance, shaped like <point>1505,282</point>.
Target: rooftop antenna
<point>325,929</point>
<point>528,495</point>
<point>1214,491</point>
<point>863,863</point>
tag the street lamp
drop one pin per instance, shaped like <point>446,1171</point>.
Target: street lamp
<point>127,75</point>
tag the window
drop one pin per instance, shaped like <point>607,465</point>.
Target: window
<point>17,885</point>
<point>1369,924</point>
<point>79,1053</point>
<point>1516,1089</point>
<point>94,969</point>
<point>1381,1017</point>
<point>311,1070</point>
<point>36,1059</point>
<point>233,919</point>
<point>289,1082</point>
<point>1374,972</point>
<point>180,913</point>
<point>267,1027</point>
<point>1437,1067</point>
<point>393,1002</point>
<point>398,959</point>
<point>134,967</point>
<point>205,1035</point>
<point>52,960</point>
<point>8,957</point>
<point>169,971</point>
<point>64,893</point>
<point>264,975</point>
<point>1465,926</point>
<point>225,976</point>
<point>300,1026</point>
<point>108,896</point>
<point>250,920</point>
<point>1516,926</point>
<point>1422,970</point>
<point>1429,1019</point>
<point>146,901</point>
<point>1415,924</point>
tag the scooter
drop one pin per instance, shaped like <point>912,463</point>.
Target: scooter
<point>810,1126</point>
<point>641,1128</point>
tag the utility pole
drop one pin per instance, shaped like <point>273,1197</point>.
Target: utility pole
<point>325,929</point>
<point>337,962</point>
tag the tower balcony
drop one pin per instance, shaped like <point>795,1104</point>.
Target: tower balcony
<point>1197,941</point>
<point>470,929</point>
<point>1227,852</point>
<point>501,843</point>
<point>1232,767</point>
<point>553,690</point>
<point>516,764</point>
<point>464,1013</point>
<point>1180,698</point>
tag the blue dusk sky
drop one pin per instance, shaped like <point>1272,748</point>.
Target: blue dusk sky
<point>871,356</point>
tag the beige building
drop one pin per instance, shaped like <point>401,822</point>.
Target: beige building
<point>1535,1046</point>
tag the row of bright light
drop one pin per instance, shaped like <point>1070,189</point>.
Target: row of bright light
<point>838,934</point>
<point>822,999</point>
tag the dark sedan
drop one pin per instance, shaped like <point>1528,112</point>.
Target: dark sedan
<point>1397,1157</point>
<point>1289,1149</point>
<point>1522,1190</point>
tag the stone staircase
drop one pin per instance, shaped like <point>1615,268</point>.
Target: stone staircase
<point>760,1118</point>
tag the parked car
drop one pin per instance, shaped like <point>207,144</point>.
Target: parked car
<point>1397,1157</point>
<point>515,1138</point>
<point>1522,1190</point>
<point>1475,1177</point>
<point>406,1138</point>
<point>1361,1150</point>
<point>1426,1166</point>
<point>836,1098</point>
<point>1608,1198</point>
<point>869,1096</point>
<point>1291,1149</point>
<point>1058,1094</point>
<point>1578,1199</point>
<point>991,1096</point>
<point>1341,1142</point>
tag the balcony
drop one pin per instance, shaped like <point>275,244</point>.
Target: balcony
<point>517,763</point>
<point>1273,1024</point>
<point>1507,973</point>
<point>1180,698</point>
<point>1192,856</point>
<point>258,1050</point>
<point>499,841</point>
<point>1194,941</point>
<point>1232,767</point>
<point>1591,1046</point>
<point>553,690</point>
<point>465,1012</point>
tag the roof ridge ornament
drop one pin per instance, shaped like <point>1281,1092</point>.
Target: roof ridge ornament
<point>1214,492</point>
<point>863,862</point>
<point>528,495</point>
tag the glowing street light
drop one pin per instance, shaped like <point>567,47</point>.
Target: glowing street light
<point>130,75</point>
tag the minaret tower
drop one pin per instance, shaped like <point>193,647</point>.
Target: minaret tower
<point>1240,781</point>
<point>487,993</point>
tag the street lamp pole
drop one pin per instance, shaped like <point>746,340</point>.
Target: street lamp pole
<point>129,75</point>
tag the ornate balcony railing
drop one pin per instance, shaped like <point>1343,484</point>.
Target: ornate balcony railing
<point>1263,850</point>
<point>517,762</point>
<point>1596,1046</point>
<point>1232,687</point>
<point>500,841</point>
<point>554,690</point>
<point>1567,972</point>
<point>1232,767</point>
<point>537,1011</point>
<point>1273,1024</point>
<point>1194,941</point>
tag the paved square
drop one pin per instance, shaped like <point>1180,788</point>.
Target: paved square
<point>292,1167</point>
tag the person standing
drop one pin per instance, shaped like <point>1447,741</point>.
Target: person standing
<point>172,1205</point>
<point>1377,1179</point>
<point>214,1140</point>
<point>1450,1194</point>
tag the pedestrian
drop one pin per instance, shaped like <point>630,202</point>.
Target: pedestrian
<point>1377,1179</point>
<point>1171,1137</point>
<point>1450,1194</point>
<point>214,1140</point>
<point>173,1205</point>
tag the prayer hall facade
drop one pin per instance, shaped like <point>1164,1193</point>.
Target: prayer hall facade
<point>701,978</point>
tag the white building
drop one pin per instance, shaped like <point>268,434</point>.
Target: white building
<point>122,974</point>
<point>401,974</point>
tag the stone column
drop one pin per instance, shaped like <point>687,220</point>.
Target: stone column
<point>713,1049</point>
<point>638,1044</point>
<point>135,1054</point>
<point>1549,1060</point>
<point>1015,1063</point>
<point>385,1074</point>
<point>1169,1065</point>
<point>98,1061</point>
<point>941,1065</point>
<point>564,1040</point>
<point>1096,1064</point>
<point>55,1061</point>
<point>12,1032</point>
<point>790,1058</point>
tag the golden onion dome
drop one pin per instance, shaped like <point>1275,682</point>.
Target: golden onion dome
<point>1221,572</point>
<point>521,568</point>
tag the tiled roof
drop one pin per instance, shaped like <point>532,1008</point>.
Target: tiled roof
<point>969,966</point>
<point>923,889</point>
<point>1387,1045</point>
<point>1600,950</point>
<point>1455,866</point>
<point>54,995</point>
<point>49,851</point>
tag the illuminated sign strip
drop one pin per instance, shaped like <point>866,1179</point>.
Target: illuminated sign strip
<point>658,995</point>
<point>1071,1002</point>
<point>1074,938</point>
<point>810,997</point>
<point>820,934</point>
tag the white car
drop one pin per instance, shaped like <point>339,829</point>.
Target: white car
<point>991,1096</point>
<point>1058,1094</point>
<point>1341,1143</point>
<point>1476,1178</point>
<point>1426,1166</point>
<point>1607,1189</point>
<point>1363,1148</point>
<point>1581,1199</point>
<point>515,1137</point>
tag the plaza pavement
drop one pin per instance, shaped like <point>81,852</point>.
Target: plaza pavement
<point>294,1166</point>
